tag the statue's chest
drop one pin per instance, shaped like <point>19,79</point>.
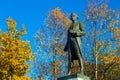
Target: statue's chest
<point>75,26</point>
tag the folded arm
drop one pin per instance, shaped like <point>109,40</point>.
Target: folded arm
<point>81,31</point>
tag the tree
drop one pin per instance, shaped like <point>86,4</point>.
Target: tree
<point>15,54</point>
<point>50,40</point>
<point>100,21</point>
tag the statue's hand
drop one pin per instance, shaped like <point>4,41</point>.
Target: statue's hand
<point>72,31</point>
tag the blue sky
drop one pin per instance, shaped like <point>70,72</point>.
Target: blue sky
<point>32,13</point>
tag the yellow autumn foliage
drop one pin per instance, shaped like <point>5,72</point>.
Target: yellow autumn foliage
<point>21,78</point>
<point>117,31</point>
<point>11,24</point>
<point>59,18</point>
<point>14,53</point>
<point>60,15</point>
<point>117,36</point>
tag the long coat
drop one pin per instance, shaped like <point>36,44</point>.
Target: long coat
<point>73,45</point>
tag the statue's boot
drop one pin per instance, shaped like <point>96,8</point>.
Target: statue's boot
<point>69,73</point>
<point>69,69</point>
<point>81,72</point>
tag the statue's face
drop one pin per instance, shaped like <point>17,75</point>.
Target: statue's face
<point>74,17</point>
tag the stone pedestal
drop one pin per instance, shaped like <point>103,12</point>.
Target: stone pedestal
<point>77,76</point>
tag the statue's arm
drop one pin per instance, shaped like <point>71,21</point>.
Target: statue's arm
<point>81,31</point>
<point>72,31</point>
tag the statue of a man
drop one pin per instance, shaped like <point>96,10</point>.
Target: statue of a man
<point>73,46</point>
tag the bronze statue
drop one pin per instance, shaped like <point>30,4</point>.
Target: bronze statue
<point>73,46</point>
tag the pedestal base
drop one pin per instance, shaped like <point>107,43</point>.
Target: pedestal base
<point>77,76</point>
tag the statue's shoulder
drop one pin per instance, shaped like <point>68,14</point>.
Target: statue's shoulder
<point>81,23</point>
<point>70,26</point>
<point>81,26</point>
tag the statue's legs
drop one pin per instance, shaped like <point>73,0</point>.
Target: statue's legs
<point>79,55</point>
<point>69,62</point>
<point>80,63</point>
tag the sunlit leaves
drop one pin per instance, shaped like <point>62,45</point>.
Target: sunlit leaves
<point>14,54</point>
<point>21,78</point>
<point>56,16</point>
<point>117,37</point>
<point>56,68</point>
<point>75,67</point>
<point>117,31</point>
<point>60,50</point>
<point>41,77</point>
<point>11,24</point>
<point>59,15</point>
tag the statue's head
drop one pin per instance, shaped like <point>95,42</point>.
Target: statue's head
<point>74,17</point>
